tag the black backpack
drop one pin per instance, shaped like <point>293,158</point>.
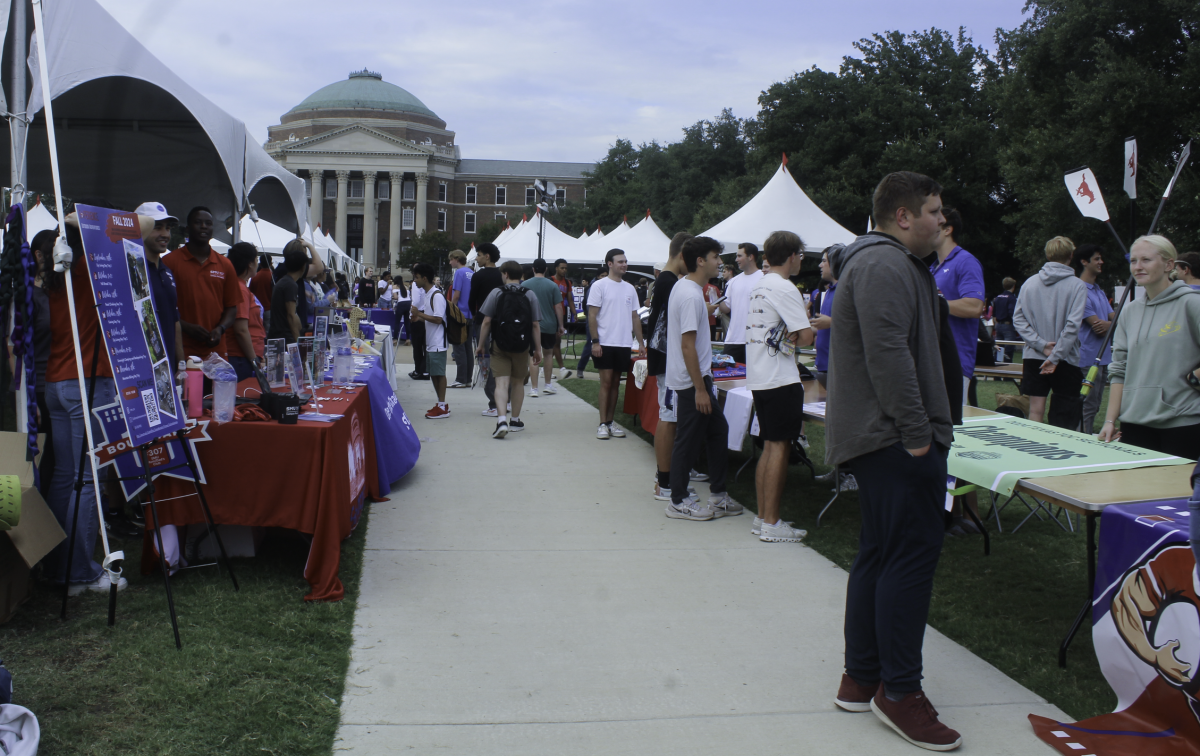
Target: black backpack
<point>512,325</point>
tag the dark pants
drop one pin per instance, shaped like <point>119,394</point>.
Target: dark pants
<point>489,385</point>
<point>1182,442</point>
<point>243,367</point>
<point>1007,332</point>
<point>587,353</point>
<point>902,500</point>
<point>46,468</point>
<point>418,348</point>
<point>692,430</point>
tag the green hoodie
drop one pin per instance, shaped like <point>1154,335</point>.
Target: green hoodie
<point>1157,343</point>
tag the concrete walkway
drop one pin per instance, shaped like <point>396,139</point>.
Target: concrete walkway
<point>527,596</point>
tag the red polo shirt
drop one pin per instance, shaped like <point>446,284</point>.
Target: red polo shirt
<point>206,289</point>
<point>61,366</point>
<point>262,285</point>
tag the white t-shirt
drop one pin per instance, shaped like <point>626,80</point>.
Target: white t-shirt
<point>617,301</point>
<point>418,297</point>
<point>434,305</point>
<point>774,300</point>
<point>738,290</point>
<point>686,312</point>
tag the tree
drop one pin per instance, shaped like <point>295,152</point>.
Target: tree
<point>430,247</point>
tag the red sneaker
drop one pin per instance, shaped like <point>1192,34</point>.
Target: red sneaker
<point>916,720</point>
<point>438,412</point>
<point>854,697</point>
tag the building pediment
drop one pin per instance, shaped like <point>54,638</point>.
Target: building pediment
<point>357,139</point>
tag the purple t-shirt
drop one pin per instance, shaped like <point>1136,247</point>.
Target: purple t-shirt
<point>462,284</point>
<point>1089,340</point>
<point>823,336</point>
<point>960,276</point>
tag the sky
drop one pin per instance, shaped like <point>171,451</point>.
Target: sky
<point>558,80</point>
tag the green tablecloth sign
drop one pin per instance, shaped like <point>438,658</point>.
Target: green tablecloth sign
<point>995,452</point>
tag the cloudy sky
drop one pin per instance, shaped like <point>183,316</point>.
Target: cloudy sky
<point>542,80</point>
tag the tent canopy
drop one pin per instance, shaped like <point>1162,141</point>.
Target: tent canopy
<point>644,244</point>
<point>781,205</point>
<point>522,245</point>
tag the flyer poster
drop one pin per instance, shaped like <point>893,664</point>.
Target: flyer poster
<point>116,260</point>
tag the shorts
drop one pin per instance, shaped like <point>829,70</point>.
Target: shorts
<point>514,365</point>
<point>780,412</point>
<point>1066,379</point>
<point>435,363</point>
<point>666,402</point>
<point>614,358</point>
<point>549,340</point>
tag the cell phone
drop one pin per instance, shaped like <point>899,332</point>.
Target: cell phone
<point>719,301</point>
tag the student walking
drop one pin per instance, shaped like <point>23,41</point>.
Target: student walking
<point>510,332</point>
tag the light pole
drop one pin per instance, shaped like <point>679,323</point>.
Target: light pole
<point>544,190</point>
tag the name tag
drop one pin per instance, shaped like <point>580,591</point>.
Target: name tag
<point>217,274</point>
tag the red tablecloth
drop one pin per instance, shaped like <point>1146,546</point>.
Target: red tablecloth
<point>311,477</point>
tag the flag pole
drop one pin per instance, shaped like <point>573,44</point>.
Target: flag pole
<point>1183,158</point>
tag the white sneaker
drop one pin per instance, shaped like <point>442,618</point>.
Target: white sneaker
<point>781,532</point>
<point>564,373</point>
<point>849,483</point>
<point>616,430</point>
<point>490,412</point>
<point>826,477</point>
<point>723,505</point>
<point>756,526</point>
<point>689,509</point>
<point>100,585</point>
<point>697,475</point>
<point>803,440</point>
<point>664,494</point>
<point>602,432</point>
<point>549,389</point>
<point>533,392</point>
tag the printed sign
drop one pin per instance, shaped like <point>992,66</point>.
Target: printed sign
<point>166,456</point>
<point>116,260</point>
<point>1131,167</point>
<point>1085,191</point>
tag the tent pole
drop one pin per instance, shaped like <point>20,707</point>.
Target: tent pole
<point>17,128</point>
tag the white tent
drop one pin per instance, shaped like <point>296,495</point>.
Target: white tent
<point>781,205</point>
<point>38,218</point>
<point>644,244</point>
<point>603,242</point>
<point>522,246</point>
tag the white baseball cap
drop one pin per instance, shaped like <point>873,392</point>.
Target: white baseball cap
<point>155,210</point>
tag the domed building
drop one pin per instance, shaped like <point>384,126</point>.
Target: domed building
<point>383,168</point>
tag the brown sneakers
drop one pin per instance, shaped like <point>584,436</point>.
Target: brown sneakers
<point>854,697</point>
<point>916,720</point>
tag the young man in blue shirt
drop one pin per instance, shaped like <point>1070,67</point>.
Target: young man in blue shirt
<point>959,278</point>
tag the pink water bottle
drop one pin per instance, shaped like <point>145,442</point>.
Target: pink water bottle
<point>193,389</point>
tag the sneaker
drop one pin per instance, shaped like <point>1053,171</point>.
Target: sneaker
<point>490,412</point>
<point>697,475</point>
<point>616,431</point>
<point>516,426</point>
<point>915,719</point>
<point>456,384</point>
<point>549,389</point>
<point>689,509</point>
<point>723,505</point>
<point>781,532</point>
<point>664,494</point>
<point>602,432</point>
<point>802,440</point>
<point>564,373</point>
<point>854,697</point>
<point>826,477</point>
<point>533,392</point>
<point>100,585</point>
<point>756,526</point>
<point>438,412</point>
<point>848,483</point>
<point>501,430</point>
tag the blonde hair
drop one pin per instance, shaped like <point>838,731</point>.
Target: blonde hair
<point>1161,244</point>
<point>1059,249</point>
<point>458,254</point>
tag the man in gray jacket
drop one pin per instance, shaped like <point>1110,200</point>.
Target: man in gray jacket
<point>1048,315</point>
<point>889,420</point>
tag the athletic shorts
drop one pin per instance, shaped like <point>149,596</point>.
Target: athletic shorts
<point>666,401</point>
<point>1066,379</point>
<point>512,364</point>
<point>549,340</point>
<point>780,412</point>
<point>435,363</point>
<point>614,358</point>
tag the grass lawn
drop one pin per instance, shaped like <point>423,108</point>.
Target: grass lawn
<point>261,671</point>
<point>1011,608</point>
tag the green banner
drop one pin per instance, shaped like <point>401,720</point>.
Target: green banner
<point>997,451</point>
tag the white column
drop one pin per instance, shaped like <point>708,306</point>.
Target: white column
<point>422,201</point>
<point>317,201</point>
<point>397,180</point>
<point>339,230</point>
<point>370,221</point>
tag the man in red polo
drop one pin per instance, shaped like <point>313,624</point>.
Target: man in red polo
<point>207,286</point>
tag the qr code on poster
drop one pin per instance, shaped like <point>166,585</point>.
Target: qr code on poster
<point>151,404</point>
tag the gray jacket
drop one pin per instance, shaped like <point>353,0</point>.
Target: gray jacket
<point>1050,308</point>
<point>886,382</point>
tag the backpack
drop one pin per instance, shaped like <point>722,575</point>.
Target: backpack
<point>457,328</point>
<point>512,325</point>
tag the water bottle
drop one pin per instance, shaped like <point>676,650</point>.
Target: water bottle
<point>343,365</point>
<point>224,396</point>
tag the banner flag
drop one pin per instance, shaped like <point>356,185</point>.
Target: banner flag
<point>114,447</point>
<point>1131,167</point>
<point>1085,191</point>
<point>150,404</point>
<point>1146,631</point>
<point>997,451</point>
<point>1183,159</point>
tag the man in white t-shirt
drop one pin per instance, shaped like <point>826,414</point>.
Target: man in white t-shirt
<point>775,326</point>
<point>432,314</point>
<point>737,299</point>
<point>613,323</point>
<point>699,420</point>
<point>417,333</point>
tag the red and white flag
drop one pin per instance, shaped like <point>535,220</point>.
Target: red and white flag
<point>1086,192</point>
<point>1131,167</point>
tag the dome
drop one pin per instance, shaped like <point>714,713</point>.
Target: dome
<point>363,90</point>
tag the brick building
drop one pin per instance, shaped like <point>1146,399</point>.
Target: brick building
<point>382,168</point>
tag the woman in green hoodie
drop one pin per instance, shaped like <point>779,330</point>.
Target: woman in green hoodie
<point>1155,370</point>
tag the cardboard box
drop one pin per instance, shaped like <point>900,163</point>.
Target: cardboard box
<point>38,532</point>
